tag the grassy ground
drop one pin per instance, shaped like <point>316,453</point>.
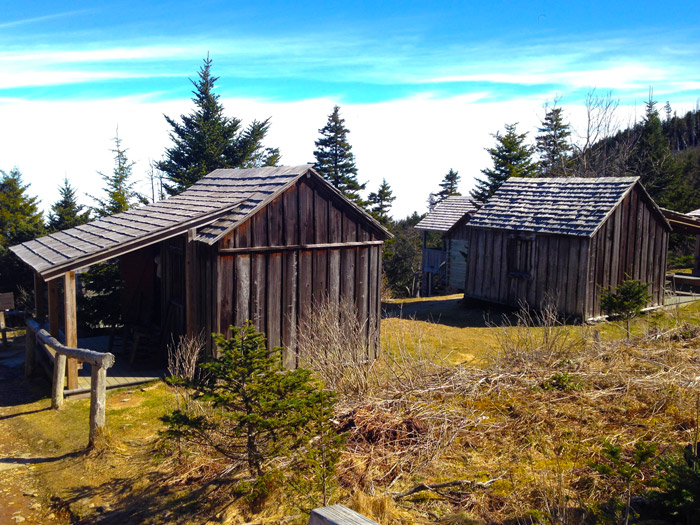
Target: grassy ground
<point>523,422</point>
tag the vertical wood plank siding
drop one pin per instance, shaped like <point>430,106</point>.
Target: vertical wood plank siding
<point>277,289</point>
<point>631,243</point>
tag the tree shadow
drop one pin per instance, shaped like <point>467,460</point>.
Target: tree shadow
<point>21,461</point>
<point>131,501</point>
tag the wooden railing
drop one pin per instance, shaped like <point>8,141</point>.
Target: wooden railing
<point>37,336</point>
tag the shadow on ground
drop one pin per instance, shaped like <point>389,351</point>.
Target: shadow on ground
<point>15,390</point>
<point>457,312</point>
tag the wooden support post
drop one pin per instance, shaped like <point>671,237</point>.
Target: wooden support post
<point>54,308</point>
<point>71,326</point>
<point>3,328</point>
<point>191,288</point>
<point>29,351</point>
<point>696,261</point>
<point>59,375</point>
<point>98,402</point>
<point>39,298</point>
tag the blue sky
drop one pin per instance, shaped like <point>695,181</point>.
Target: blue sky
<point>491,63</point>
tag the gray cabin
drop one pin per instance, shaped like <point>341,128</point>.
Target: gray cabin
<point>567,239</point>
<point>445,267</point>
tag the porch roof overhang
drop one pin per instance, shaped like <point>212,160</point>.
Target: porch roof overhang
<point>213,206</point>
<point>687,223</point>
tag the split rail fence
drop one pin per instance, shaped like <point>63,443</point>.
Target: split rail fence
<point>58,353</point>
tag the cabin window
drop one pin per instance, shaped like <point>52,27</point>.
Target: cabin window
<point>520,256</point>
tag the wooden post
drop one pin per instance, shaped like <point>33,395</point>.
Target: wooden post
<point>59,375</point>
<point>191,288</point>
<point>337,515</point>
<point>54,308</point>
<point>29,351</point>
<point>696,261</point>
<point>71,326</point>
<point>98,402</point>
<point>3,328</point>
<point>39,298</point>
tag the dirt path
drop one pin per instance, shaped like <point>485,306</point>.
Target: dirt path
<point>21,497</point>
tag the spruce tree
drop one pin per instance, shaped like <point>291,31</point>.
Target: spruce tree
<point>380,203</point>
<point>119,188</point>
<point>20,221</point>
<point>102,282</point>
<point>652,160</point>
<point>511,157</point>
<point>334,158</point>
<point>553,144</point>
<point>448,188</point>
<point>66,212</point>
<point>206,139</point>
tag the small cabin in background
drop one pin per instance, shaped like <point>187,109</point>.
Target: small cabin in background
<point>567,239</point>
<point>261,244</point>
<point>445,267</point>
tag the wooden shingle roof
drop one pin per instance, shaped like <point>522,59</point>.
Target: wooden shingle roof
<point>446,214</point>
<point>566,206</point>
<point>214,205</point>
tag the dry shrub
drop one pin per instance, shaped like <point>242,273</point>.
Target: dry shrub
<point>536,337</point>
<point>184,355</point>
<point>333,343</point>
<point>380,508</point>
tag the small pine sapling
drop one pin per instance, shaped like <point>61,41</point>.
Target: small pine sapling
<point>625,302</point>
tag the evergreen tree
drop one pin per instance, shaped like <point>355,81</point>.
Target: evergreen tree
<point>261,412</point>
<point>380,203</point>
<point>553,144</point>
<point>207,140</point>
<point>511,158</point>
<point>334,158</point>
<point>402,257</point>
<point>102,282</point>
<point>652,160</point>
<point>119,188</point>
<point>448,188</point>
<point>20,221</point>
<point>66,212</point>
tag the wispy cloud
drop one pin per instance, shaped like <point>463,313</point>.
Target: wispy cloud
<point>44,18</point>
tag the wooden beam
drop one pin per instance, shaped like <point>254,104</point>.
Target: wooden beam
<point>39,298</point>
<point>98,403</point>
<point>54,309</point>
<point>71,326</point>
<point>291,247</point>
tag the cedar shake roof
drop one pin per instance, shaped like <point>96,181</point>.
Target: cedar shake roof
<point>214,205</point>
<point>566,206</point>
<point>446,214</point>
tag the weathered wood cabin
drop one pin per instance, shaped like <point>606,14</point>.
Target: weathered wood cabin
<point>446,266</point>
<point>567,239</point>
<point>265,244</point>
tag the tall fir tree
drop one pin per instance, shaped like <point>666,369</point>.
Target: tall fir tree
<point>511,157</point>
<point>66,212</point>
<point>20,221</point>
<point>652,160</point>
<point>119,188</point>
<point>206,139</point>
<point>380,203</point>
<point>334,158</point>
<point>448,188</point>
<point>553,146</point>
<point>102,282</point>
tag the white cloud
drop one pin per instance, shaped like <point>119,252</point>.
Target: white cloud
<point>411,142</point>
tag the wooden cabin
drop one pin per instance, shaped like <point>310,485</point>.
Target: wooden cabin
<point>445,267</point>
<point>265,244</point>
<point>567,239</point>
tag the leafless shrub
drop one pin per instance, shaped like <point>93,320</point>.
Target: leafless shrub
<point>184,355</point>
<point>333,343</point>
<point>535,338</point>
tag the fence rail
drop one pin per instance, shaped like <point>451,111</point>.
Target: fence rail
<point>100,363</point>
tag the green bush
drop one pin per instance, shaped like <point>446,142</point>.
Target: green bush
<point>626,301</point>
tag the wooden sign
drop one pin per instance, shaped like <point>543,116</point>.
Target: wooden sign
<point>7,301</point>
